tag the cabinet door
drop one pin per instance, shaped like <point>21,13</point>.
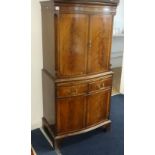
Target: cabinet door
<point>70,114</point>
<point>98,105</point>
<point>99,43</point>
<point>72,40</point>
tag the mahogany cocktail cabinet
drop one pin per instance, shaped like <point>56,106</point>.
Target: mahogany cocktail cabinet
<point>77,78</point>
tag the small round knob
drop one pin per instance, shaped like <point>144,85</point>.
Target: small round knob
<point>98,87</point>
<point>102,84</point>
<point>73,91</point>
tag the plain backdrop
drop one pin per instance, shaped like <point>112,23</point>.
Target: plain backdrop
<point>36,65</point>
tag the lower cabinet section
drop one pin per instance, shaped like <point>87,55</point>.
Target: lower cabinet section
<point>80,105</point>
<point>79,112</point>
<point>75,106</point>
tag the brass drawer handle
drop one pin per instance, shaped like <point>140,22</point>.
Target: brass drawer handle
<point>102,85</point>
<point>99,86</point>
<point>73,91</point>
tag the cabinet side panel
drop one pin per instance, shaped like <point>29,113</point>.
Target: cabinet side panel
<point>48,98</point>
<point>48,38</point>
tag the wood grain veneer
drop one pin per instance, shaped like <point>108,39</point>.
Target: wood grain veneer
<point>77,78</point>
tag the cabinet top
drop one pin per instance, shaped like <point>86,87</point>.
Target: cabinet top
<point>88,1</point>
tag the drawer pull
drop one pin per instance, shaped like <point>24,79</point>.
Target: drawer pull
<point>99,86</point>
<point>73,91</point>
<point>102,85</point>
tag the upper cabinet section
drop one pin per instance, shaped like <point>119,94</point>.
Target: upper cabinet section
<point>77,37</point>
<point>83,39</point>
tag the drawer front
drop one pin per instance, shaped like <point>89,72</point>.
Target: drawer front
<point>100,84</point>
<point>83,87</point>
<point>71,90</point>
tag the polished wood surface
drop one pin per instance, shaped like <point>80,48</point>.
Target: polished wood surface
<point>88,1</point>
<point>100,84</point>
<point>70,114</point>
<point>77,79</point>
<point>78,31</point>
<point>83,87</point>
<point>100,42</point>
<point>72,90</point>
<point>78,36</point>
<point>93,2</point>
<point>71,111</point>
<point>72,36</point>
<point>97,107</point>
<point>84,9</point>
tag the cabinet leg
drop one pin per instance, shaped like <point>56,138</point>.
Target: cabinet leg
<point>107,127</point>
<point>50,134</point>
<point>56,143</point>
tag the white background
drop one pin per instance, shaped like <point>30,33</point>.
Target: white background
<point>15,79</point>
<point>36,65</point>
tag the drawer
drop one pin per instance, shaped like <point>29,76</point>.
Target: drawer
<point>72,90</point>
<point>99,84</point>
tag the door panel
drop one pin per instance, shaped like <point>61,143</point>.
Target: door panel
<point>97,107</point>
<point>70,114</point>
<point>73,35</point>
<point>99,43</point>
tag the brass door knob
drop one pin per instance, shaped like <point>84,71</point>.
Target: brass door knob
<point>102,85</point>
<point>73,91</point>
<point>98,86</point>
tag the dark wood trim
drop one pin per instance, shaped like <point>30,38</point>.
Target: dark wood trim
<point>109,107</point>
<point>86,94</point>
<point>50,129</point>
<point>32,152</point>
<point>107,127</point>
<point>85,80</point>
<point>105,2</point>
<point>84,130</point>
<point>87,77</point>
<point>84,9</point>
<point>108,58</point>
<point>88,43</point>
